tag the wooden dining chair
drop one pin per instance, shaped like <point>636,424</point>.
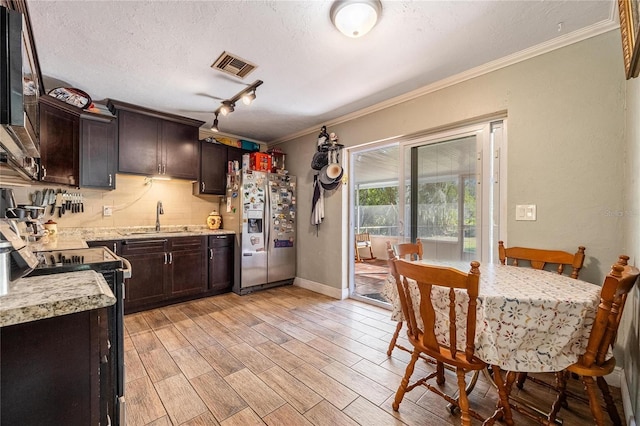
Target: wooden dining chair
<point>593,364</point>
<point>363,240</point>
<point>401,251</point>
<point>413,250</point>
<point>538,259</point>
<point>424,341</point>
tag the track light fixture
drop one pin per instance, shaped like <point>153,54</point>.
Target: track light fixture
<point>214,127</point>
<point>227,107</point>
<point>248,95</point>
<point>247,98</point>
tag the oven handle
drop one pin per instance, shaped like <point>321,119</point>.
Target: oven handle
<point>127,270</point>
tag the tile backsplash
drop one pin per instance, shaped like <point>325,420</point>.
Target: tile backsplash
<point>133,203</point>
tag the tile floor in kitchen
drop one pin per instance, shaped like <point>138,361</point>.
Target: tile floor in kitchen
<point>285,356</point>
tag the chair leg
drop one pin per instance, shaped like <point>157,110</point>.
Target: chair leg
<point>405,380</point>
<point>503,401</point>
<point>522,377</point>
<point>561,387</point>
<point>611,406</point>
<point>594,405</point>
<point>392,344</point>
<point>463,401</point>
<point>371,252</point>
<point>440,373</point>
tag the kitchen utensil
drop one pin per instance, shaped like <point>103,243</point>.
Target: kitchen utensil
<point>7,201</point>
<point>37,198</point>
<point>60,203</point>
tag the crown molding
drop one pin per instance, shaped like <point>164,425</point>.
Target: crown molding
<point>523,55</point>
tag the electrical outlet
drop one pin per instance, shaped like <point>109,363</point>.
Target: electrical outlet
<point>107,211</point>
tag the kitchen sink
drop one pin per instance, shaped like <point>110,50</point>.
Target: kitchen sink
<point>154,232</point>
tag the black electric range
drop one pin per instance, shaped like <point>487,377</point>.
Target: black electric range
<point>114,269</point>
<point>99,259</point>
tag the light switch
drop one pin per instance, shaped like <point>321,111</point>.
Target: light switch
<point>526,212</point>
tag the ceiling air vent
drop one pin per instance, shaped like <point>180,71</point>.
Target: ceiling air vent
<point>233,65</point>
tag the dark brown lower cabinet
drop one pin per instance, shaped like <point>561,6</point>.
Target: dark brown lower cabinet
<point>221,263</point>
<point>50,371</point>
<point>164,270</point>
<point>188,266</point>
<point>149,267</point>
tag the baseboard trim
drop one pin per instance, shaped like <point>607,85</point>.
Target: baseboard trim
<point>336,293</point>
<point>615,377</point>
<point>629,418</point>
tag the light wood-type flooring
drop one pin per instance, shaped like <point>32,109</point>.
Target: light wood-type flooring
<point>285,356</point>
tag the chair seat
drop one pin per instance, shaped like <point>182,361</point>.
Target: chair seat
<point>444,355</point>
<point>363,244</point>
<point>595,370</point>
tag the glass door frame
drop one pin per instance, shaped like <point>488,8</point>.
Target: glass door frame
<point>491,145</point>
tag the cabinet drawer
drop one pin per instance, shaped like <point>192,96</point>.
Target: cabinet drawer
<point>187,243</point>
<point>221,240</point>
<point>144,246</point>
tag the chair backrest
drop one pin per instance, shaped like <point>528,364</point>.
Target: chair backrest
<point>617,285</point>
<point>414,251</point>
<point>363,238</point>
<point>538,258</point>
<point>427,276</point>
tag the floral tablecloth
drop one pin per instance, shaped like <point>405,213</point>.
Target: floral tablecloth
<point>527,319</point>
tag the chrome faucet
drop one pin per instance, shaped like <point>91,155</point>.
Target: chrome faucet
<point>159,211</point>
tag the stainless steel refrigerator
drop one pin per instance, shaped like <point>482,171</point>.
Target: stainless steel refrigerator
<point>261,208</point>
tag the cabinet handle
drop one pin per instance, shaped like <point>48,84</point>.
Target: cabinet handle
<point>115,248</point>
<point>202,186</point>
<point>210,253</point>
<point>108,420</point>
<point>44,172</point>
<point>170,258</point>
<point>164,169</point>
<point>165,258</point>
<point>159,169</point>
<point>110,180</point>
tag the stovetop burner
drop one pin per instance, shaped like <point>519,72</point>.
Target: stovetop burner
<point>58,261</point>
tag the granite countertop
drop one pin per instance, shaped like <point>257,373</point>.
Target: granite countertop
<point>74,238</point>
<point>46,296</point>
<point>138,232</point>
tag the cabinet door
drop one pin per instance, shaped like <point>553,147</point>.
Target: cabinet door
<point>221,262</point>
<point>59,156</point>
<point>138,145</point>
<point>51,370</point>
<point>180,150</point>
<point>213,173</point>
<point>188,266</point>
<point>220,268</point>
<point>235,154</point>
<point>98,161</point>
<point>149,266</point>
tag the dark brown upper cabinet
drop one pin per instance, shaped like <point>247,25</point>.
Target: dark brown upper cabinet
<point>213,167</point>
<point>77,148</point>
<point>156,143</point>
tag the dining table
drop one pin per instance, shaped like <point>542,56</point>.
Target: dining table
<point>527,320</point>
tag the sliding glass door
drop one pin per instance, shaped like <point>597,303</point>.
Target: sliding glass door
<point>444,198</point>
<point>444,189</point>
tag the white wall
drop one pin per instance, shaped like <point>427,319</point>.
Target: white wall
<point>565,144</point>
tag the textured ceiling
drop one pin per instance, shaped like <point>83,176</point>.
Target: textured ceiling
<point>158,54</point>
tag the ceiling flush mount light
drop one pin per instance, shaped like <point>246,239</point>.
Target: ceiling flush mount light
<point>355,18</point>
